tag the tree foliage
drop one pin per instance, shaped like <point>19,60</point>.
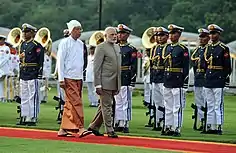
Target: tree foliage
<point>137,14</point>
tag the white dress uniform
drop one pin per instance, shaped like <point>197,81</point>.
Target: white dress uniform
<point>9,80</point>
<point>15,81</point>
<point>92,96</point>
<point>43,94</point>
<point>146,81</point>
<point>176,64</point>
<point>4,68</point>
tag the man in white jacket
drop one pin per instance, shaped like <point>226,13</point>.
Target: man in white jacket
<point>92,96</point>
<point>4,65</point>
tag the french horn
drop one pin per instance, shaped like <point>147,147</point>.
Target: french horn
<point>96,38</point>
<point>48,47</point>
<point>148,39</point>
<point>43,36</point>
<point>15,37</point>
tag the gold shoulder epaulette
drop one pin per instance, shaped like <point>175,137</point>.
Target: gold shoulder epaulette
<point>131,46</point>
<point>35,42</point>
<point>223,45</point>
<point>182,46</point>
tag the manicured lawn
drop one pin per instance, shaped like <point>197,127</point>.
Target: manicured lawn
<point>48,116</point>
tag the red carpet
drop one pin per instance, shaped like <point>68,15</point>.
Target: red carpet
<point>178,145</point>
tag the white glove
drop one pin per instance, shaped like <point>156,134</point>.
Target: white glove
<point>131,88</point>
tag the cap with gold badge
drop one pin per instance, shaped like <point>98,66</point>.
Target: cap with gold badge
<point>161,31</point>
<point>27,28</point>
<point>203,32</point>
<point>174,28</point>
<point>124,28</point>
<point>214,28</point>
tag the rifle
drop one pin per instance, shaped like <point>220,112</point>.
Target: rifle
<point>162,109</point>
<point>151,113</point>
<point>194,116</point>
<point>18,110</point>
<point>204,109</point>
<point>60,106</point>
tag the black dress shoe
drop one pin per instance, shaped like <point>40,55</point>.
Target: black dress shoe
<point>31,123</point>
<point>95,132</point>
<point>112,135</point>
<point>43,101</point>
<point>219,132</point>
<point>168,132</point>
<point>126,130</point>
<point>118,129</point>
<point>176,134</point>
<point>157,128</point>
<point>21,123</point>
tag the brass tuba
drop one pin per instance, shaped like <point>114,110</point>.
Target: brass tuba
<point>43,36</point>
<point>15,37</point>
<point>48,47</point>
<point>97,38</point>
<point>148,39</point>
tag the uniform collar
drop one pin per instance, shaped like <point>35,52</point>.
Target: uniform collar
<point>202,47</point>
<point>215,44</point>
<point>29,40</point>
<point>162,45</point>
<point>124,43</point>
<point>174,44</point>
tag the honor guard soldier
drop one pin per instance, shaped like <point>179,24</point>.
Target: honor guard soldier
<point>4,65</point>
<point>146,78</point>
<point>199,66</point>
<point>218,70</point>
<point>176,63</point>
<point>128,79</point>
<point>157,73</point>
<point>31,69</point>
<point>44,88</point>
<point>9,81</point>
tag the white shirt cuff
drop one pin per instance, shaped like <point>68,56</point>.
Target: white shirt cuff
<point>98,86</point>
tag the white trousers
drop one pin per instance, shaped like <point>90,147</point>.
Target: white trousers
<point>16,88</point>
<point>147,92</point>
<point>215,106</point>
<point>43,90</point>
<point>199,98</point>
<point>2,90</point>
<point>29,99</point>
<point>123,106</point>
<point>174,102</point>
<point>158,99</point>
<point>92,96</point>
<point>9,88</point>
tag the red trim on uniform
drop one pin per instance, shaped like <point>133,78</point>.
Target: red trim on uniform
<point>38,50</point>
<point>226,55</point>
<point>185,54</point>
<point>139,55</point>
<point>134,55</point>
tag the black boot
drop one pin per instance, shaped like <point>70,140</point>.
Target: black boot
<point>126,130</point>
<point>219,130</point>
<point>201,126</point>
<point>21,121</point>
